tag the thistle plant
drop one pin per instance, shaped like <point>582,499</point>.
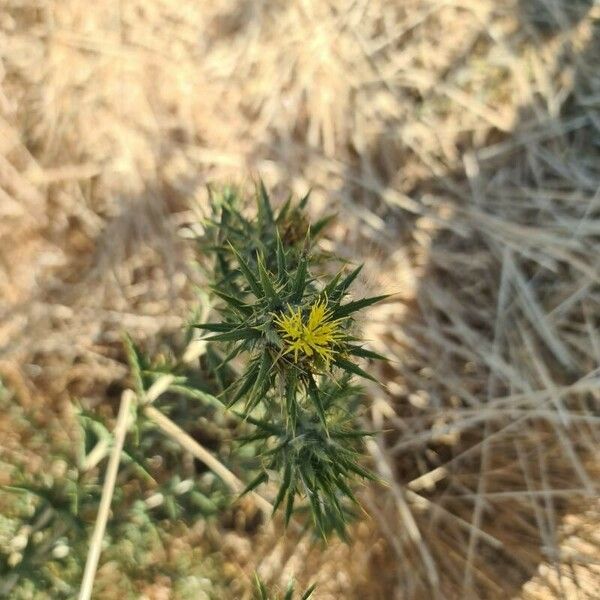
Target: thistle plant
<point>276,390</point>
<point>293,330</point>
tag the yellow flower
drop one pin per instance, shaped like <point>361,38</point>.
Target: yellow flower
<point>314,337</point>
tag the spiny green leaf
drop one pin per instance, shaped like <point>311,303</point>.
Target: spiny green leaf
<point>261,478</point>
<point>133,358</point>
<point>300,279</point>
<point>315,396</point>
<point>283,211</point>
<point>246,385</point>
<point>317,513</point>
<point>217,327</point>
<point>232,354</point>
<point>355,468</point>
<point>322,224</point>
<point>267,285</point>
<point>246,333</point>
<point>233,301</point>
<point>291,388</point>
<point>284,488</point>
<point>330,287</point>
<point>304,200</point>
<point>248,274</point>
<point>265,212</point>
<point>347,309</point>
<point>364,353</point>
<point>260,588</point>
<point>343,486</point>
<point>309,592</point>
<point>281,260</point>
<point>261,383</point>
<point>342,363</point>
<point>359,433</point>
<point>347,282</point>
<point>289,507</point>
<point>266,426</point>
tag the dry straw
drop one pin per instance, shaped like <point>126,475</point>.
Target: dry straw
<point>110,478</point>
<point>459,142</point>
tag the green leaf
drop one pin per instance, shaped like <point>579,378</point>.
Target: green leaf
<point>352,466</point>
<point>265,212</point>
<point>281,261</point>
<point>322,224</point>
<point>291,387</point>
<point>289,592</point>
<point>262,381</point>
<point>342,363</point>
<point>330,287</point>
<point>234,352</point>
<point>315,396</point>
<point>170,507</point>
<point>204,503</point>
<point>217,327</point>
<point>359,433</point>
<point>304,200</point>
<point>247,273</point>
<point>300,279</point>
<point>309,592</point>
<point>317,513</point>
<point>246,333</point>
<point>347,309</point>
<point>196,394</point>
<point>266,426</point>
<point>261,478</point>
<point>265,280</point>
<point>364,353</point>
<point>133,358</point>
<point>260,588</point>
<point>289,507</point>
<point>346,283</point>
<point>233,301</point>
<point>246,386</point>
<point>343,486</point>
<point>138,463</point>
<point>284,488</point>
<point>283,211</point>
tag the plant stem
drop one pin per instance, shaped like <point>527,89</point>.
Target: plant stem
<point>108,488</point>
<point>191,445</point>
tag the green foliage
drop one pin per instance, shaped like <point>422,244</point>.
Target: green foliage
<point>315,462</point>
<point>46,516</point>
<point>293,329</point>
<point>273,396</point>
<point>270,234</point>
<point>261,592</point>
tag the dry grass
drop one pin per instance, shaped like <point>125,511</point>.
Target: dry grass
<point>458,141</point>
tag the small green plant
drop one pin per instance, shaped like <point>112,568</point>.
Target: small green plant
<point>46,516</point>
<point>272,398</point>
<point>295,333</point>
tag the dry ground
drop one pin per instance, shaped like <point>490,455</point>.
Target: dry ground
<point>459,141</point>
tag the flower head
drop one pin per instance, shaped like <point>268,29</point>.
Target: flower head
<point>313,336</point>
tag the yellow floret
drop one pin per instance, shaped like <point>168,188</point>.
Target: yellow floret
<point>315,337</point>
